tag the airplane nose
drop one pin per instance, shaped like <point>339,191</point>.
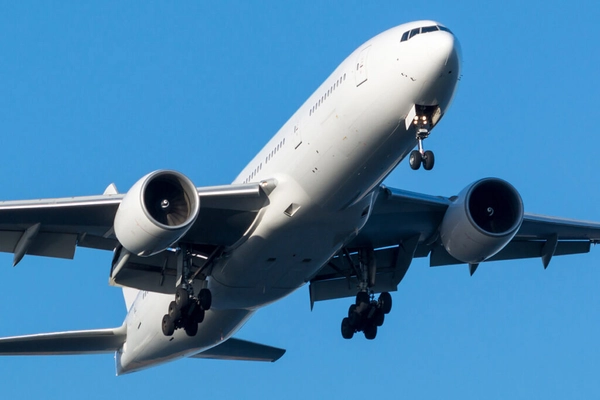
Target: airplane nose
<point>444,53</point>
<point>436,67</point>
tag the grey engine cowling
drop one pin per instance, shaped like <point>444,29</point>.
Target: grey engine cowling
<point>481,220</point>
<point>156,212</point>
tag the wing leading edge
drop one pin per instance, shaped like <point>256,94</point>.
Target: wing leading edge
<point>55,227</point>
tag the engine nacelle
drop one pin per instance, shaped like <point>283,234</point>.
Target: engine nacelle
<point>156,212</point>
<point>482,219</point>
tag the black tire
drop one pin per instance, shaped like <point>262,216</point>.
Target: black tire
<point>428,160</point>
<point>415,159</point>
<point>385,302</point>
<point>362,297</point>
<point>191,328</point>
<point>168,326</point>
<point>205,299</point>
<point>174,311</point>
<point>352,310</point>
<point>198,315</point>
<point>347,329</point>
<point>370,332</point>
<point>182,298</point>
<point>353,316</point>
<point>378,317</point>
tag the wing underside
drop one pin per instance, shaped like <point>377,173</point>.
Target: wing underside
<point>404,225</point>
<point>55,227</point>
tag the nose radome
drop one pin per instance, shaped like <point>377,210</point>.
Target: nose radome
<point>437,68</point>
<point>444,48</point>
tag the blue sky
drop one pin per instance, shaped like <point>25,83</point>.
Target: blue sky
<point>105,92</point>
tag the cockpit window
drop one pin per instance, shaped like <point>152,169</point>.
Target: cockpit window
<point>425,29</point>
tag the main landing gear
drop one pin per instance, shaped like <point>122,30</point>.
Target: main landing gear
<point>366,315</point>
<point>187,310</point>
<point>420,156</point>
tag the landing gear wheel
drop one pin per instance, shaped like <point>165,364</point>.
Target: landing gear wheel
<point>168,326</point>
<point>415,159</point>
<point>385,302</point>
<point>428,160</point>
<point>198,315</point>
<point>182,298</point>
<point>205,299</point>
<point>362,297</point>
<point>347,329</point>
<point>352,310</point>
<point>378,317</point>
<point>370,332</point>
<point>191,328</point>
<point>353,316</point>
<point>174,311</point>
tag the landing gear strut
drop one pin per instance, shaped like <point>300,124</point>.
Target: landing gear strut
<point>422,125</point>
<point>187,310</point>
<point>366,314</point>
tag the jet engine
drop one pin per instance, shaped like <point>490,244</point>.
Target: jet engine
<point>156,212</point>
<point>481,220</point>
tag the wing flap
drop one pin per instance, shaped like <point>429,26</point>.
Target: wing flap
<point>65,343</point>
<point>242,350</point>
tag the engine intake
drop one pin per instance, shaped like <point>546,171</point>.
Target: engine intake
<point>482,219</point>
<point>156,212</point>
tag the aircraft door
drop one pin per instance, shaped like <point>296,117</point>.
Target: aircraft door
<point>361,67</point>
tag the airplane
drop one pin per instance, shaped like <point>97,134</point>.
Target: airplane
<point>195,263</point>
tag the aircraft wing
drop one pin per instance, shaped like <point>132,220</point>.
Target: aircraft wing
<point>404,225</point>
<point>55,227</point>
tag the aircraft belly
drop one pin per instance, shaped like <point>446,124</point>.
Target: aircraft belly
<point>146,346</point>
<point>282,254</point>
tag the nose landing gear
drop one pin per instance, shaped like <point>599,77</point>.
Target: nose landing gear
<point>423,125</point>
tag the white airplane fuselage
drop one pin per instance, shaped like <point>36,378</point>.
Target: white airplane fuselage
<point>325,160</point>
